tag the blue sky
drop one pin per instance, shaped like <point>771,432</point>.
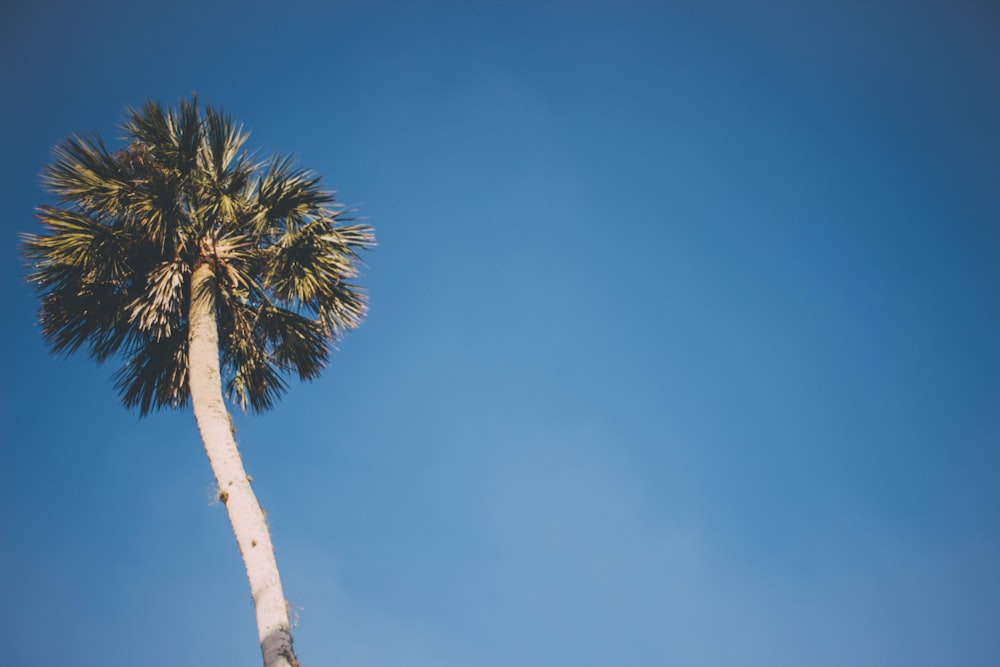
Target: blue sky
<point>682,347</point>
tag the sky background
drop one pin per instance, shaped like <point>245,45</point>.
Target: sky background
<point>683,345</point>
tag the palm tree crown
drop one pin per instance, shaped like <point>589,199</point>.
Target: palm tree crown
<point>115,263</point>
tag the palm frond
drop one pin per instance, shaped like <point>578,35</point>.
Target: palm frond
<point>222,142</point>
<point>83,272</point>
<point>287,195</point>
<point>308,264</point>
<point>296,343</point>
<point>159,310</point>
<point>83,173</point>
<point>83,313</point>
<point>156,375</point>
<point>342,308</point>
<point>255,381</point>
<point>173,135</point>
<point>153,195</point>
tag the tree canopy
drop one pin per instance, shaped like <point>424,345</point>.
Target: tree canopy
<point>113,265</point>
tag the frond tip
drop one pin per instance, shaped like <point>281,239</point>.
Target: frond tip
<point>113,263</point>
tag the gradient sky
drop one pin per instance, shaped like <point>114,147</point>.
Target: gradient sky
<point>683,345</point>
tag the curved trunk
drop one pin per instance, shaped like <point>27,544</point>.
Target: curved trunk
<point>245,512</point>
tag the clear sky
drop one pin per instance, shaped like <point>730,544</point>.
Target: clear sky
<point>683,345</point>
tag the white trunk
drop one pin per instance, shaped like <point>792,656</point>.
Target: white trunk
<point>245,513</point>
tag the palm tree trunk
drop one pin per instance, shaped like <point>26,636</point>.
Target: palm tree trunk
<point>245,513</point>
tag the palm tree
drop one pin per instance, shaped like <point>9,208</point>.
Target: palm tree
<point>206,272</point>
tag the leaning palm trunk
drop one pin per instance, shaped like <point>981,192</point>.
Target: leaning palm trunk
<point>245,512</point>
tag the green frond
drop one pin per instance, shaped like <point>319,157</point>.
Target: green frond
<point>84,173</point>
<point>342,309</point>
<point>100,251</point>
<point>308,265</point>
<point>172,135</point>
<point>153,195</point>
<point>222,142</point>
<point>80,313</point>
<point>255,381</point>
<point>156,375</point>
<point>287,195</point>
<point>186,126</point>
<point>296,343</point>
<point>350,239</point>
<point>83,274</point>
<point>255,385</point>
<point>149,126</point>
